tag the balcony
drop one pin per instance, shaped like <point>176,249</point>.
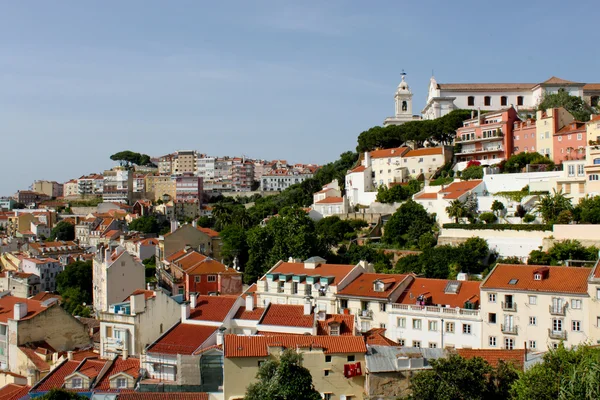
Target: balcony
<point>478,139</point>
<point>509,306</point>
<point>509,329</point>
<point>491,149</point>
<point>366,314</point>
<point>558,335</point>
<point>558,310</point>
<point>433,310</point>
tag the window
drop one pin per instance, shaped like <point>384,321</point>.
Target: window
<point>532,320</point>
<point>109,331</point>
<point>326,372</point>
<point>343,302</point>
<point>467,329</point>
<point>471,100</point>
<point>492,318</point>
<point>576,326</point>
<point>532,344</point>
<point>294,287</point>
<point>212,278</point>
<point>593,177</point>
<point>401,342</point>
<point>533,300</point>
<point>326,396</point>
<point>492,297</point>
<point>571,170</point>
<point>576,304</point>
<point>416,343</point>
<point>580,170</point>
<point>432,345</point>
<point>197,279</point>
<point>492,341</point>
<point>503,100</point>
<point>328,359</point>
<point>557,325</point>
<point>449,327</point>
<point>417,324</point>
<point>509,343</point>
<point>487,101</point>
<point>121,383</point>
<point>401,322</point>
<point>350,358</point>
<point>433,325</point>
<point>76,383</point>
<point>382,307</point>
<point>560,139</point>
<point>334,330</point>
<point>537,277</point>
<point>519,100</point>
<point>568,137</point>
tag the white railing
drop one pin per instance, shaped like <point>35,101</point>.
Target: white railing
<point>434,310</point>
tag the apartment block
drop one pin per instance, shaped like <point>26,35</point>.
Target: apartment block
<point>47,269</point>
<point>118,185</point>
<point>49,188</point>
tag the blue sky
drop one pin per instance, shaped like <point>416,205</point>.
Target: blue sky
<point>269,79</point>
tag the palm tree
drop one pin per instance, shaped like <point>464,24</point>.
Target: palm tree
<point>456,210</point>
<point>550,206</point>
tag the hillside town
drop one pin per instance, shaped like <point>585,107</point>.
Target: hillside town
<point>466,233</point>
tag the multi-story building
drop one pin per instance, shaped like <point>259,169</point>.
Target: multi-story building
<point>46,269</point>
<point>139,183</point>
<point>425,162</point>
<point>538,307</point>
<point>29,197</point>
<point>547,124</point>
<point>242,175</point>
<point>53,249</point>
<point>386,165</point>
<point>184,162</point>
<point>90,185</point>
<point>160,187</point>
<point>487,137</point>
<point>435,199</point>
<point>20,284</point>
<point>129,325</point>
<point>71,188</point>
<point>49,188</point>
<point>281,179</point>
<point>206,167</point>
<point>573,180</point>
<point>592,170</point>
<point>165,165</point>
<point>524,136</point>
<point>116,273</point>
<point>118,185</point>
<point>204,240</point>
<point>7,203</point>
<point>569,142</point>
<point>188,187</point>
<point>592,128</point>
<point>446,97</point>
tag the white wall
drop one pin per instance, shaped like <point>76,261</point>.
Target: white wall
<point>514,182</point>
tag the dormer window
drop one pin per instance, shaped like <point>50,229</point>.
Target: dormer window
<point>77,383</point>
<point>121,383</point>
<point>334,329</point>
<point>537,277</point>
<point>378,286</point>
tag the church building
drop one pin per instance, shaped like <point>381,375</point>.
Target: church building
<point>403,110</point>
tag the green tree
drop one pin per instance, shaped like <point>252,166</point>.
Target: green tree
<point>206,222</point>
<point>550,206</point>
<point>497,206</point>
<point>474,172</point>
<point>528,218</point>
<point>150,265</point>
<point>488,217</point>
<point>75,286</point>
<point>283,379</point>
<point>235,244</point>
<point>407,224</point>
<point>354,253</point>
<point>520,211</point>
<point>518,162</point>
<point>457,210</point>
<point>61,394</point>
<point>538,257</point>
<point>573,104</point>
<point>588,210</point>
<point>128,157</point>
<point>145,224</point>
<point>63,231</point>
<point>333,230</point>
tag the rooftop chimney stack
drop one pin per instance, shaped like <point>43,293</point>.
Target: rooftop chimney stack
<point>307,307</point>
<point>250,302</point>
<point>69,355</point>
<point>20,311</point>
<point>125,354</point>
<point>193,300</point>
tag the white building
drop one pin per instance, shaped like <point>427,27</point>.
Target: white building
<point>330,201</point>
<point>46,269</point>
<point>425,161</point>
<point>435,199</point>
<point>403,105</point>
<point>116,274</point>
<point>539,306</point>
<point>280,179</point>
<point>118,185</point>
<point>359,186</point>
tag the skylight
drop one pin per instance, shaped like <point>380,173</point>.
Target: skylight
<point>513,281</point>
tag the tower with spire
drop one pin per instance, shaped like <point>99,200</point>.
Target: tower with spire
<point>403,104</point>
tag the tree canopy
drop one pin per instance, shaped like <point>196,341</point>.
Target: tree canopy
<point>128,157</point>
<point>518,162</point>
<point>562,251</point>
<point>407,224</point>
<point>145,224</point>
<point>75,286</point>
<point>61,394</point>
<point>550,207</point>
<point>283,379</point>
<point>573,104</point>
<point>398,193</point>
<point>63,231</point>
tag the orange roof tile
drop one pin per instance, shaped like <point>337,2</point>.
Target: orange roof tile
<point>429,151</point>
<point>386,153</point>
<point>425,196</point>
<point>287,315</point>
<point>182,339</point>
<point>13,391</point>
<point>130,366</point>
<point>148,294</point>
<point>571,127</point>
<point>56,378</point>
<point>337,271</point>
<point>434,289</point>
<point>363,285</point>
<point>376,337</point>
<point>213,347</point>
<point>212,308</point>
<point>36,360</point>
<point>43,296</point>
<point>558,81</point>
<point>163,396</point>
<point>83,354</point>
<point>346,322</point>
<point>210,266</point>
<point>558,280</point>
<point>258,346</point>
<point>7,306</point>
<point>457,189</point>
<point>253,315</point>
<point>360,168</point>
<point>91,367</point>
<point>591,86</point>
<point>516,356</point>
<point>331,200</point>
<point>208,231</point>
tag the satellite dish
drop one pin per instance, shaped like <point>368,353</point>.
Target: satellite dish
<point>317,286</point>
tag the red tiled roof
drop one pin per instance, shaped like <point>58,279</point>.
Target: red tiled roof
<point>43,296</point>
<point>346,323</point>
<point>210,266</point>
<point>426,196</point>
<point>182,339</point>
<point>209,348</point>
<point>83,354</point>
<point>7,306</point>
<point>130,366</point>
<point>363,285</point>
<point>56,378</point>
<point>360,168</point>
<point>175,255</point>
<point>212,308</point>
<point>558,280</point>
<point>148,294</point>
<point>149,242</point>
<point>258,346</point>
<point>591,86</point>
<point>253,315</point>
<point>337,271</point>
<point>558,81</point>
<point>571,127</point>
<point>486,86</point>
<point>429,151</point>
<point>163,396</point>
<point>332,199</point>
<point>457,189</point>
<point>434,289</point>
<point>36,360</point>
<point>13,391</point>
<point>287,315</point>
<point>517,356</point>
<point>208,231</point>
<point>376,337</point>
<point>386,153</point>
<point>91,367</point>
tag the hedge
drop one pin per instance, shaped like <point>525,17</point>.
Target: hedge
<point>500,227</point>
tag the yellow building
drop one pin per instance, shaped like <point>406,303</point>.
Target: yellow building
<point>592,128</point>
<point>592,169</point>
<point>336,363</point>
<point>547,123</point>
<point>158,186</point>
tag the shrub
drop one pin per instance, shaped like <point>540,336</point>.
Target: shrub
<point>488,217</point>
<point>500,227</point>
<point>528,218</point>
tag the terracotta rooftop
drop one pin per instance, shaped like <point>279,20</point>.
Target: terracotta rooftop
<point>330,200</point>
<point>346,323</point>
<point>457,189</point>
<point>148,294</point>
<point>13,391</point>
<point>258,346</point>
<point>436,292</point>
<point>492,87</point>
<point>521,277</point>
<point>575,126</point>
<point>7,306</point>
<point>287,315</point>
<point>56,378</point>
<point>591,86</point>
<point>182,339</point>
<point>360,168</point>
<point>337,271</point>
<point>363,286</point>
<point>253,315</point>
<point>130,366</point>
<point>387,153</point>
<point>35,359</point>
<point>516,357</point>
<point>425,196</point>
<point>558,81</point>
<point>163,396</point>
<point>376,337</point>
<point>208,231</point>
<point>212,308</point>
<point>429,151</point>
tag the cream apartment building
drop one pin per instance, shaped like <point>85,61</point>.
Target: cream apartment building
<point>537,307</point>
<point>386,165</point>
<point>547,124</point>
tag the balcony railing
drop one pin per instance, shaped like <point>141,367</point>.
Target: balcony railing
<point>509,306</point>
<point>366,314</point>
<point>509,329</point>
<point>482,150</point>
<point>434,310</point>
<point>558,335</point>
<point>558,310</point>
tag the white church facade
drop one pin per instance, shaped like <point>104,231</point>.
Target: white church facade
<point>403,105</point>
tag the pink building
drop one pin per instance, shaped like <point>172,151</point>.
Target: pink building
<point>188,187</point>
<point>524,139</point>
<point>569,142</point>
<point>487,137</point>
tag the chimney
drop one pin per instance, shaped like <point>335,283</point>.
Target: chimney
<point>54,358</point>
<point>173,226</point>
<point>220,334</point>
<point>185,311</point>
<point>69,355</point>
<point>367,160</point>
<point>193,300</point>
<point>307,307</point>
<point>124,354</point>
<point>137,303</point>
<point>20,311</point>
<point>472,114</point>
<point>250,302</point>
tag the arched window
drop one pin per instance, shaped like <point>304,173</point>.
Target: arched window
<point>471,100</point>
